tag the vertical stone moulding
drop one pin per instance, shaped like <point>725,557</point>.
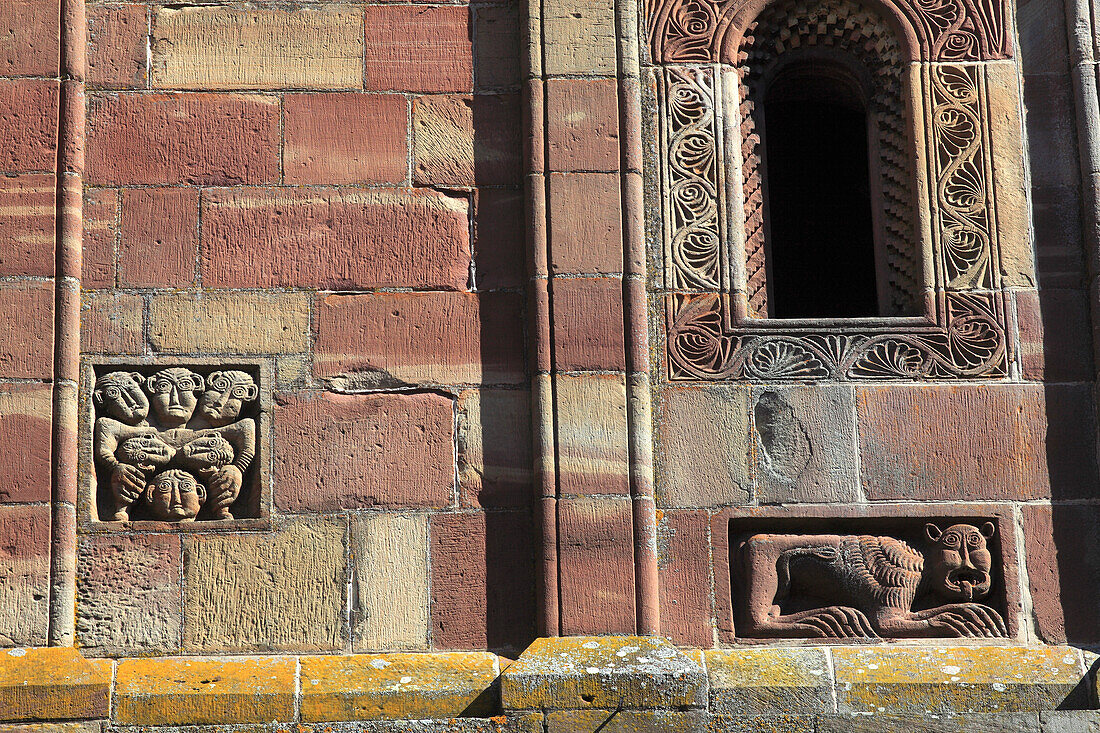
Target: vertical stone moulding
<point>175,444</point>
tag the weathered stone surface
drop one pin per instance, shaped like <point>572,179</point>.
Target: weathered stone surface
<point>1006,152</point>
<point>582,672</point>
<point>806,444</point>
<point>26,412</point>
<point>418,49</point>
<point>1051,137</point>
<point>128,594</point>
<point>626,721</point>
<point>24,579</point>
<point>1065,583</point>
<point>1058,256</point>
<point>776,723</point>
<point>160,237</point>
<point>389,583</point>
<point>1042,32</point>
<point>1055,335</point>
<point>956,680</point>
<point>237,322</point>
<point>29,106</point>
<point>973,723</point>
<point>117,40</point>
<point>593,456</point>
<point>467,141</point>
<point>483,581</point>
<point>71,727</point>
<point>53,683</point>
<point>30,38</point>
<point>112,322</point>
<point>184,691</point>
<point>401,686</point>
<point>354,451</point>
<point>201,139</point>
<point>587,223</point>
<point>584,134</point>
<point>579,38</point>
<point>704,446</point>
<point>685,586</point>
<point>521,723</point>
<point>976,442</point>
<point>257,48</point>
<point>596,565</point>
<point>1068,721</point>
<point>497,62</point>
<point>334,238</point>
<point>325,134</point>
<point>26,333</point>
<point>767,681</point>
<point>266,591</point>
<point>587,312</point>
<point>500,260</point>
<point>27,220</point>
<point>101,227</point>
<point>434,338</point>
<point>494,446</point>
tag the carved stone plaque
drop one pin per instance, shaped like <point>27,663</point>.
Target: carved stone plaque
<point>175,442</point>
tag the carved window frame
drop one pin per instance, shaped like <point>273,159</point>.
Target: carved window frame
<point>695,47</point>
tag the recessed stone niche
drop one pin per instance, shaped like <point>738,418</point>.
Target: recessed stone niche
<point>175,443</point>
<point>904,574</point>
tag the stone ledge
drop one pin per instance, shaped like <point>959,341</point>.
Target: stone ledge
<point>575,673</point>
<point>51,684</point>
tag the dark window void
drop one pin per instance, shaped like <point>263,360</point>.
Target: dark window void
<point>822,245</point>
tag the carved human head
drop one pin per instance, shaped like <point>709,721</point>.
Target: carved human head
<point>147,452</point>
<point>119,395</point>
<point>225,395</point>
<point>958,563</point>
<point>175,496</point>
<point>174,393</point>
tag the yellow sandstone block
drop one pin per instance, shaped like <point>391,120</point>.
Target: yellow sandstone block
<point>234,48</point>
<point>209,691</point>
<point>764,681</point>
<point>230,322</point>
<point>398,686</point>
<point>50,684</point>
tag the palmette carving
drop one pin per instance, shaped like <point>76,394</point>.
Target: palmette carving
<point>856,586</point>
<point>189,455</point>
<point>707,31</point>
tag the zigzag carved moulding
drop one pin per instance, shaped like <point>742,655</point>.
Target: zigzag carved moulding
<point>709,31</point>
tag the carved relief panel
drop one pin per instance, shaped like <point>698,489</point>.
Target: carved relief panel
<point>176,441</point>
<point>935,81</point>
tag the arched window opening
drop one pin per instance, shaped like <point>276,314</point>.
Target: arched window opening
<point>821,244</point>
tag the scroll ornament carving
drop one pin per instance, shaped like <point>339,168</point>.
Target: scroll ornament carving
<point>705,31</point>
<point>174,441</point>
<point>856,586</point>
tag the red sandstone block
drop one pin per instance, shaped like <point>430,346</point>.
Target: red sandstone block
<point>1062,543</point>
<point>26,330</point>
<point>345,138</point>
<point>354,451</point>
<point>1055,342</point>
<point>500,252</point>
<point>498,60</point>
<point>101,225</point>
<point>418,49</point>
<point>437,338</point>
<point>27,223</point>
<point>483,581</point>
<point>112,322</point>
<point>588,316</point>
<point>335,238</point>
<point>117,40</point>
<point>25,415</point>
<point>583,130</point>
<point>466,141</point>
<point>586,223</point>
<point>190,138</point>
<point>1057,222</point>
<point>997,442</point>
<point>160,238</point>
<point>29,37</point>
<point>686,611</point>
<point>28,115</point>
<point>596,549</point>
<point>24,574</point>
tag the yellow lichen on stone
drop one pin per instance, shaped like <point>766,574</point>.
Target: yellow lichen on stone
<point>397,686</point>
<point>207,691</point>
<point>954,679</point>
<point>761,681</point>
<point>50,684</point>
